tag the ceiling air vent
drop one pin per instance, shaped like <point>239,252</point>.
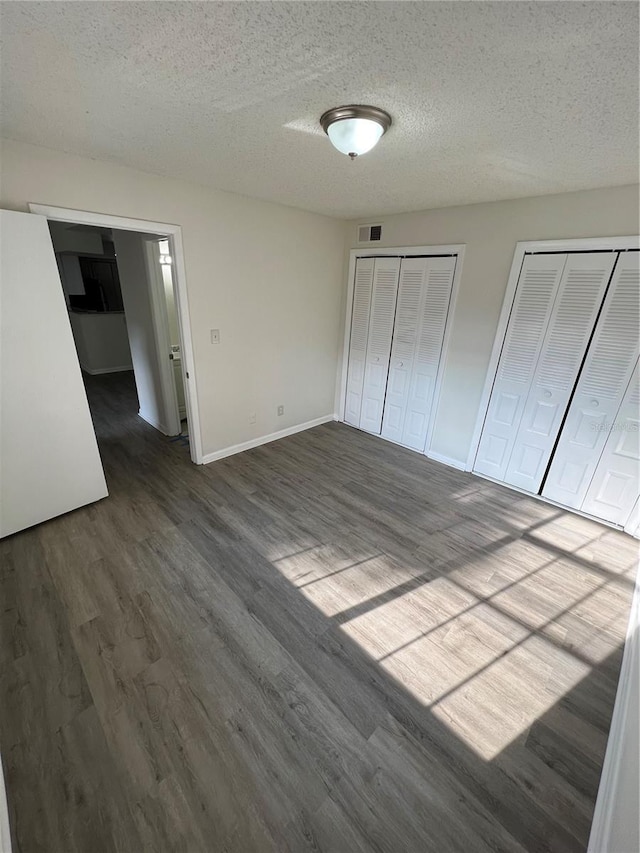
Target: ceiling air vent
<point>369,233</point>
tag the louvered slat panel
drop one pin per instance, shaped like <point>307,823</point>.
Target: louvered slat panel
<point>606,368</point>
<point>383,305</point>
<point>433,321</point>
<point>411,291</point>
<point>580,293</point>
<point>532,305</point>
<point>358,340</point>
<point>598,393</point>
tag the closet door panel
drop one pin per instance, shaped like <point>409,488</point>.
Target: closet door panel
<point>383,305</point>
<point>605,375</point>
<point>358,340</point>
<point>578,301</point>
<point>614,488</point>
<point>532,306</point>
<point>411,295</point>
<point>432,325</point>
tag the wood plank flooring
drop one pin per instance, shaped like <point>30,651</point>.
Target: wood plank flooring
<point>328,643</point>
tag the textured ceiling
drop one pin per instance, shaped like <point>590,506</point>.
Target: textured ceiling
<point>489,100</point>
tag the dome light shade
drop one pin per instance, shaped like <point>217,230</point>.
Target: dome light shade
<point>354,130</point>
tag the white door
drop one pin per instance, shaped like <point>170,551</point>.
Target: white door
<point>615,486</point>
<point>358,340</point>
<point>147,326</point>
<point>383,306</point>
<point>599,392</point>
<point>578,301</point>
<point>532,305</point>
<point>49,460</point>
<point>424,295</point>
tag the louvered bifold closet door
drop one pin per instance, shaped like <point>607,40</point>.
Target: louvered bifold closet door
<point>578,301</point>
<point>383,306</point>
<point>424,295</point>
<point>358,340</point>
<point>532,305</point>
<point>614,488</point>
<point>610,361</point>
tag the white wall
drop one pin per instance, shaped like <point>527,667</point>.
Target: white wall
<point>616,819</point>
<point>490,232</point>
<point>269,277</point>
<point>101,341</point>
<point>136,296</point>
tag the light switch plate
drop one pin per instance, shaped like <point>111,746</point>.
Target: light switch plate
<point>215,336</point>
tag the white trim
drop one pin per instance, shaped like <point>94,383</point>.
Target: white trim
<point>174,233</point>
<point>265,439</point>
<point>156,424</point>
<point>456,249</point>
<point>100,370</point>
<point>446,460</point>
<point>613,794</point>
<point>523,248</point>
<point>409,251</point>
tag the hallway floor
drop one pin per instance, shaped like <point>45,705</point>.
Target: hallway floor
<point>328,643</point>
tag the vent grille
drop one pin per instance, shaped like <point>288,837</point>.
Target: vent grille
<point>369,233</point>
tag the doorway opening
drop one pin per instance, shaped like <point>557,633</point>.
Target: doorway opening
<point>124,286</point>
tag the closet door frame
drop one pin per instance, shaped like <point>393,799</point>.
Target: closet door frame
<point>399,252</point>
<point>587,244</point>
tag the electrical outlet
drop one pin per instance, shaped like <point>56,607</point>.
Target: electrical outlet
<point>280,410</point>
<point>215,336</point>
<point>252,418</point>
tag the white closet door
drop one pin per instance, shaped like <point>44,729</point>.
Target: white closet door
<point>535,294</point>
<point>417,347</point>
<point>411,295</point>
<point>432,324</point>
<point>358,341</point>
<point>383,306</point>
<point>612,354</point>
<point>49,461</point>
<point>578,301</point>
<point>614,488</point>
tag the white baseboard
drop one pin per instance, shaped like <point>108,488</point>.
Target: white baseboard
<point>156,424</point>
<point>264,439</point>
<point>446,460</point>
<point>615,819</point>
<point>102,370</point>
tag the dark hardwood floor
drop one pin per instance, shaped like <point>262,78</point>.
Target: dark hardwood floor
<point>328,643</point>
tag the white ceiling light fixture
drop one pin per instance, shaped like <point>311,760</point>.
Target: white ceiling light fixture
<point>355,129</point>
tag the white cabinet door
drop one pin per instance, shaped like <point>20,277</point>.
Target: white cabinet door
<point>383,306</point>
<point>604,377</point>
<point>424,294</point>
<point>532,306</point>
<point>358,340</point>
<point>49,461</point>
<point>578,301</point>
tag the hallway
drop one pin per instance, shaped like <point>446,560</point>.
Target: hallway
<point>325,643</point>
